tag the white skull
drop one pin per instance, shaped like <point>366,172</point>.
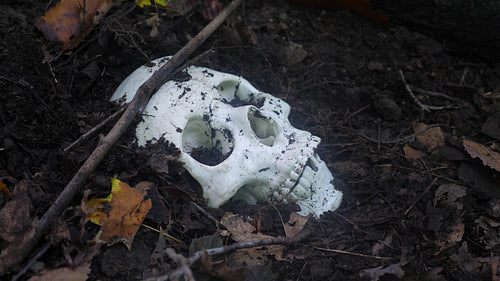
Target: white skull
<point>259,155</point>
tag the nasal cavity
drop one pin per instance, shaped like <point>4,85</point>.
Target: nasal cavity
<point>205,144</point>
<point>264,128</point>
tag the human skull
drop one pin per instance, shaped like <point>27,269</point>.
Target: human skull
<point>234,140</point>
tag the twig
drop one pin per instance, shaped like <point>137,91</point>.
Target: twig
<point>420,196</point>
<point>94,130</point>
<point>409,138</point>
<point>31,262</point>
<point>207,214</point>
<point>136,105</point>
<point>422,106</point>
<point>354,254</point>
<point>434,94</point>
<point>182,262</point>
<point>173,275</point>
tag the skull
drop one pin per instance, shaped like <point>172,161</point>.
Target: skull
<point>234,140</point>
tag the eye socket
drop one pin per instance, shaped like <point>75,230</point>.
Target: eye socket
<point>264,127</point>
<point>239,93</point>
<point>205,144</point>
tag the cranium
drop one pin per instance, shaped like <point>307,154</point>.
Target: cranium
<point>235,140</point>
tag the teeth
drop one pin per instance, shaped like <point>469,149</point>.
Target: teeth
<point>289,183</point>
<point>284,191</point>
<point>305,183</point>
<point>277,196</point>
<point>300,191</point>
<point>315,161</point>
<point>308,174</point>
<point>297,168</point>
<point>294,176</point>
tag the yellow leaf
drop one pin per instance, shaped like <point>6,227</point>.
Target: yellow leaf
<point>120,214</point>
<point>142,3</point>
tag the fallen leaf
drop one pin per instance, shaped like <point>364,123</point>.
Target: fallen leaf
<point>221,271</point>
<point>411,153</point>
<point>457,233</point>
<point>381,245</point>
<point>489,157</point>
<point>5,190</point>
<point>15,218</point>
<point>450,193</point>
<point>79,273</point>
<point>204,242</point>
<point>142,3</point>
<point>120,214</point>
<point>242,231</point>
<point>375,273</point>
<point>431,138</point>
<point>69,21</point>
<point>295,224</point>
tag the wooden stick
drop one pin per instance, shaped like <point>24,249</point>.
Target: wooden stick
<point>177,273</point>
<point>137,105</point>
<point>94,130</point>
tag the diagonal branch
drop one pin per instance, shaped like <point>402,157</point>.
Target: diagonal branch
<point>137,105</point>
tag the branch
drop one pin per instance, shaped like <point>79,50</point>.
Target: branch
<point>137,105</point>
<point>177,273</point>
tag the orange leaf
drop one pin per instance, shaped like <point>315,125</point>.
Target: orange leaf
<point>120,214</point>
<point>411,153</point>
<point>431,138</point>
<point>489,157</point>
<point>69,21</point>
<point>5,189</point>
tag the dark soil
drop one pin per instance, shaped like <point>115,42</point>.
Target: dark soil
<point>403,216</point>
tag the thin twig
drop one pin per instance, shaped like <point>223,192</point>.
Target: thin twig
<point>94,130</point>
<point>422,106</point>
<point>32,261</point>
<point>182,262</point>
<point>177,273</point>
<point>434,94</point>
<point>406,139</point>
<point>135,107</point>
<point>354,254</point>
<point>420,196</point>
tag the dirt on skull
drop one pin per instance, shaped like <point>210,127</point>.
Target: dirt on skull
<point>373,93</point>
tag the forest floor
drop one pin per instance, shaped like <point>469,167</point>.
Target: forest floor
<point>418,203</point>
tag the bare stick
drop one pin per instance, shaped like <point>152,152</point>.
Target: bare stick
<point>406,139</point>
<point>354,254</point>
<point>434,94</point>
<point>94,130</point>
<point>422,106</point>
<point>175,274</point>
<point>137,105</point>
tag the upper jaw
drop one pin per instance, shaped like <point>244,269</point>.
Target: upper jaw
<point>312,188</point>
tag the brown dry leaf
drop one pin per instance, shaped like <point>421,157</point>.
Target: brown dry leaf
<point>457,233</point>
<point>69,21</point>
<point>120,214</point>
<point>411,153</point>
<point>221,271</point>
<point>5,190</point>
<point>431,138</point>
<point>15,218</point>
<point>242,231</point>
<point>489,157</point>
<point>295,224</point>
<point>64,274</point>
<point>450,193</point>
